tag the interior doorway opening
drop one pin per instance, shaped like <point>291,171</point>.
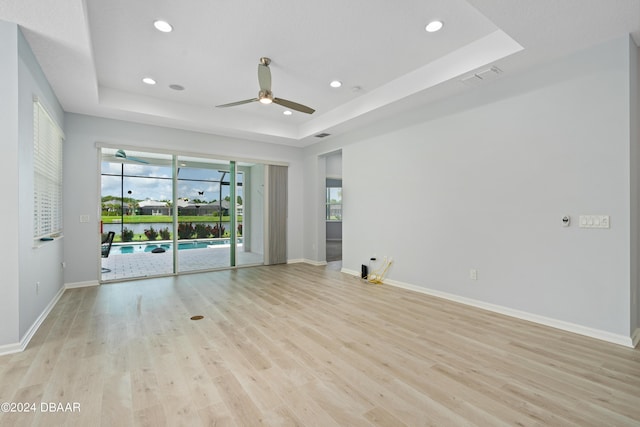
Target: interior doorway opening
<point>333,208</point>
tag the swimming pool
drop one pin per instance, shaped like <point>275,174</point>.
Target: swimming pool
<point>141,247</point>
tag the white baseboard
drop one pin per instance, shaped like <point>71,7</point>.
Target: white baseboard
<point>24,342</point>
<point>547,321</point>
<point>312,262</point>
<point>81,284</point>
<point>10,349</point>
<point>635,338</point>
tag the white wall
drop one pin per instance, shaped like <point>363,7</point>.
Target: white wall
<point>22,304</point>
<point>314,208</point>
<point>46,259</point>
<point>9,173</point>
<point>334,165</point>
<point>82,179</point>
<point>634,54</point>
<point>256,219</point>
<point>484,185</point>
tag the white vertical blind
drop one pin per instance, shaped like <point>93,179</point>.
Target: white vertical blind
<point>277,188</point>
<point>47,182</point>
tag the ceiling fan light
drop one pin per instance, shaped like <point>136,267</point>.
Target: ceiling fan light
<point>265,100</point>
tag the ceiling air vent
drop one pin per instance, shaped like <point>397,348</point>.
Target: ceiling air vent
<point>322,135</point>
<point>481,76</point>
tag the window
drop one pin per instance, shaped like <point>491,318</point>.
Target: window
<point>47,182</point>
<point>334,203</point>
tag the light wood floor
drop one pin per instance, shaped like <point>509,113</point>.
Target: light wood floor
<point>308,346</point>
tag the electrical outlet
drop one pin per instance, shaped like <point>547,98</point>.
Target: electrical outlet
<point>37,288</point>
<point>473,274</point>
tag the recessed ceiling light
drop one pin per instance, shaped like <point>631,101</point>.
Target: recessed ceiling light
<point>335,83</point>
<point>434,26</point>
<point>176,87</point>
<point>163,26</point>
<point>149,81</point>
<point>287,113</point>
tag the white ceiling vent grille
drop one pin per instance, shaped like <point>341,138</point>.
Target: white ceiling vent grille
<point>481,76</point>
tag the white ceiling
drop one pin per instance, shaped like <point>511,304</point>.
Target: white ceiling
<point>95,53</point>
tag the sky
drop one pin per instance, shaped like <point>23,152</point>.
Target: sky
<point>154,182</point>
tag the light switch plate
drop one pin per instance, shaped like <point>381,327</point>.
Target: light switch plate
<point>594,221</point>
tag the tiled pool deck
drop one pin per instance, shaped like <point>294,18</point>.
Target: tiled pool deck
<point>145,264</point>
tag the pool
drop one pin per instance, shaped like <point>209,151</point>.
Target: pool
<point>141,247</point>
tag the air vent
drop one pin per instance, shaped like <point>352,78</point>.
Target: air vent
<point>481,76</point>
<point>489,74</point>
<point>322,135</point>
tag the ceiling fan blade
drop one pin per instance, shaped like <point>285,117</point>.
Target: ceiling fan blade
<point>233,104</point>
<point>135,159</point>
<point>121,155</point>
<point>294,105</point>
<point>264,77</point>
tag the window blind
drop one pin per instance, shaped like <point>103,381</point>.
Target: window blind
<point>47,165</point>
<point>277,180</point>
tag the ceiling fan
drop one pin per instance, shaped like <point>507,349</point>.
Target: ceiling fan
<point>265,96</point>
<point>120,156</point>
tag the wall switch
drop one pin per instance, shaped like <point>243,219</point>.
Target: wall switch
<point>84,218</point>
<point>37,288</point>
<point>594,221</point>
<point>473,274</point>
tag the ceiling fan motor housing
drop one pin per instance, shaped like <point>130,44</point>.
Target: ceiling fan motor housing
<point>265,96</point>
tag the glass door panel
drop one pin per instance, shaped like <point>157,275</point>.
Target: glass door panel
<point>203,203</point>
<point>136,206</point>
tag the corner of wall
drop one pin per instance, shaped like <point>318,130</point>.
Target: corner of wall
<point>26,338</point>
<point>634,166</point>
<point>9,119</point>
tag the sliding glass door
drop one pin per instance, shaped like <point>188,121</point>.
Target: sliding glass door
<point>136,206</point>
<point>176,214</point>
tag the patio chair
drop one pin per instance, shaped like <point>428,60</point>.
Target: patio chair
<point>106,248</point>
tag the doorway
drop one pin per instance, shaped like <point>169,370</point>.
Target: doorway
<point>333,208</point>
